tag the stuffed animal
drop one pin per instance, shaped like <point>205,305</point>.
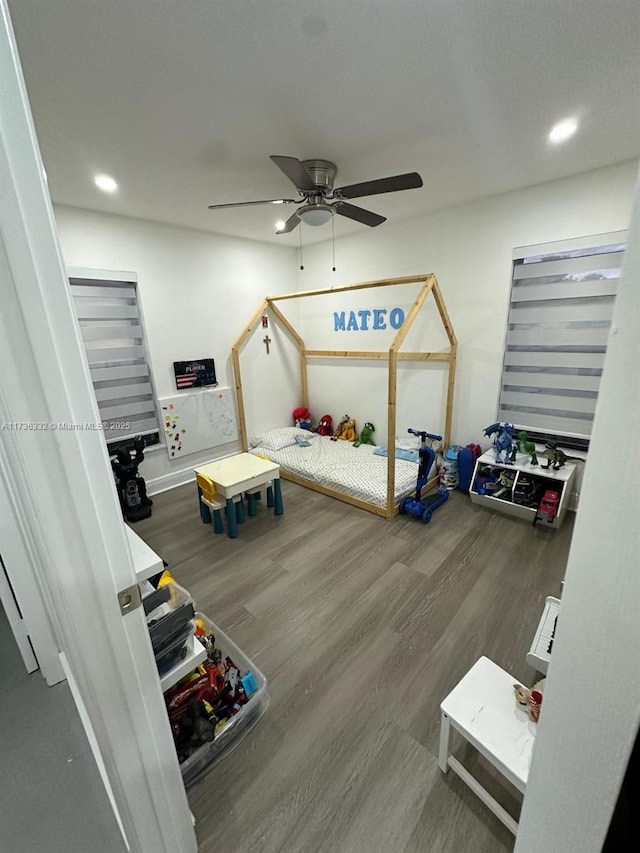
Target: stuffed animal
<point>325,426</point>
<point>339,429</point>
<point>349,431</point>
<point>302,417</point>
<point>531,699</point>
<point>365,436</point>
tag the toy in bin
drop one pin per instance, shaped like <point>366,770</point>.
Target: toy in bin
<point>548,508</point>
<point>418,506</point>
<point>201,705</point>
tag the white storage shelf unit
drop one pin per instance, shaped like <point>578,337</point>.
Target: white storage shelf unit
<point>147,564</point>
<point>559,481</point>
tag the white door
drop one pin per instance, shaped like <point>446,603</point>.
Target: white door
<point>59,482</point>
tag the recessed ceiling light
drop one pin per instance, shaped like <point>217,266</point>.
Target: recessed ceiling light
<point>561,131</point>
<point>279,224</point>
<point>105,183</point>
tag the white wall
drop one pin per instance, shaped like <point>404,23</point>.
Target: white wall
<point>469,249</point>
<point>197,291</point>
<point>359,387</point>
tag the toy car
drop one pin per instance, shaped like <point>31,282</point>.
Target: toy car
<point>548,508</point>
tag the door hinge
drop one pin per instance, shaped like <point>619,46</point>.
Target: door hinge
<point>129,599</point>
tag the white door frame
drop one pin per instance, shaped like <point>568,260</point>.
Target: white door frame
<point>62,482</point>
<point>20,590</point>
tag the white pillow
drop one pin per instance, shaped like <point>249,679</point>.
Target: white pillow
<point>277,439</point>
<point>408,441</point>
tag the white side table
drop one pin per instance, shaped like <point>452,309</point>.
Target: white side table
<point>483,708</point>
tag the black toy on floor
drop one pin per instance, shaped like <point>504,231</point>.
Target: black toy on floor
<point>131,487</point>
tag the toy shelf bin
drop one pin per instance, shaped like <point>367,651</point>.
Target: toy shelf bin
<point>522,486</point>
<point>169,611</point>
<point>237,727</point>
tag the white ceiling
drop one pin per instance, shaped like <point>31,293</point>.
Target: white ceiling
<point>182,101</point>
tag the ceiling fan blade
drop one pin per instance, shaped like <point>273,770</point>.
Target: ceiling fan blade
<point>295,171</point>
<point>245,203</point>
<point>410,181</point>
<point>367,217</point>
<point>291,223</point>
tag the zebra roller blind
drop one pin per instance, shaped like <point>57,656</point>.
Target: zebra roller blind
<point>562,299</point>
<point>113,337</point>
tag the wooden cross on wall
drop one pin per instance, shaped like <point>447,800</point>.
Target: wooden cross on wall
<point>266,341</point>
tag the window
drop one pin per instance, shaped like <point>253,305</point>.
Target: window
<point>562,299</point>
<point>113,336</point>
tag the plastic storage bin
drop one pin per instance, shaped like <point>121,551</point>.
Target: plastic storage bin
<point>237,727</point>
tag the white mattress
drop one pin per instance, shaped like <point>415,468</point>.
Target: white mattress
<point>341,466</point>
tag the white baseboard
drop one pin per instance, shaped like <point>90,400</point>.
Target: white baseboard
<point>155,485</point>
<point>170,481</point>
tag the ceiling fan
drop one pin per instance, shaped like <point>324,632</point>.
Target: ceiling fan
<point>319,200</point>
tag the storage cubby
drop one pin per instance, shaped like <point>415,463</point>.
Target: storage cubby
<point>172,620</point>
<point>518,488</point>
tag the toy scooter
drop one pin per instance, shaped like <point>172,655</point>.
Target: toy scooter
<point>424,507</point>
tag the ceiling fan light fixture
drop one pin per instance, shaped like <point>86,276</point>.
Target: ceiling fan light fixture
<point>318,214</point>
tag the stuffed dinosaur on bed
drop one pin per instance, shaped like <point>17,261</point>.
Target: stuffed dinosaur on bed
<point>365,436</point>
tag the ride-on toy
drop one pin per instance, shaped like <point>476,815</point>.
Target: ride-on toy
<point>424,507</point>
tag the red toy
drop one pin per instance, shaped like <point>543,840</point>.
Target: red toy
<point>548,508</point>
<point>325,427</point>
<point>302,417</point>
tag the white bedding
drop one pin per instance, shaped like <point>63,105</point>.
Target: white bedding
<point>341,466</point>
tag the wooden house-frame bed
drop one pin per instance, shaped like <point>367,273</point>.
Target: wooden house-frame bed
<point>393,355</point>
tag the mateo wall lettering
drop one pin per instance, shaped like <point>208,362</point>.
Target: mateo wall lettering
<point>367,318</point>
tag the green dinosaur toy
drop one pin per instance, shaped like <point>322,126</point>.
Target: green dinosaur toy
<point>365,436</point>
<point>556,457</point>
<point>521,444</point>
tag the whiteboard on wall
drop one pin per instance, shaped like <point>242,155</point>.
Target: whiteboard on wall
<point>198,420</point>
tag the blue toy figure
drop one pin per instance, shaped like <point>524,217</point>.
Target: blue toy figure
<point>503,441</point>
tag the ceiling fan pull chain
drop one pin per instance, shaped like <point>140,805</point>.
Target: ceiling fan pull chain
<point>333,242</point>
<point>300,242</point>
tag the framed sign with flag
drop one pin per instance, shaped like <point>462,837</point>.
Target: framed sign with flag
<point>197,373</point>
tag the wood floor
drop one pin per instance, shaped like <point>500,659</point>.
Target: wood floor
<point>362,626</point>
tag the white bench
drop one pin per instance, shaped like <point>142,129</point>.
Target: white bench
<point>482,707</point>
